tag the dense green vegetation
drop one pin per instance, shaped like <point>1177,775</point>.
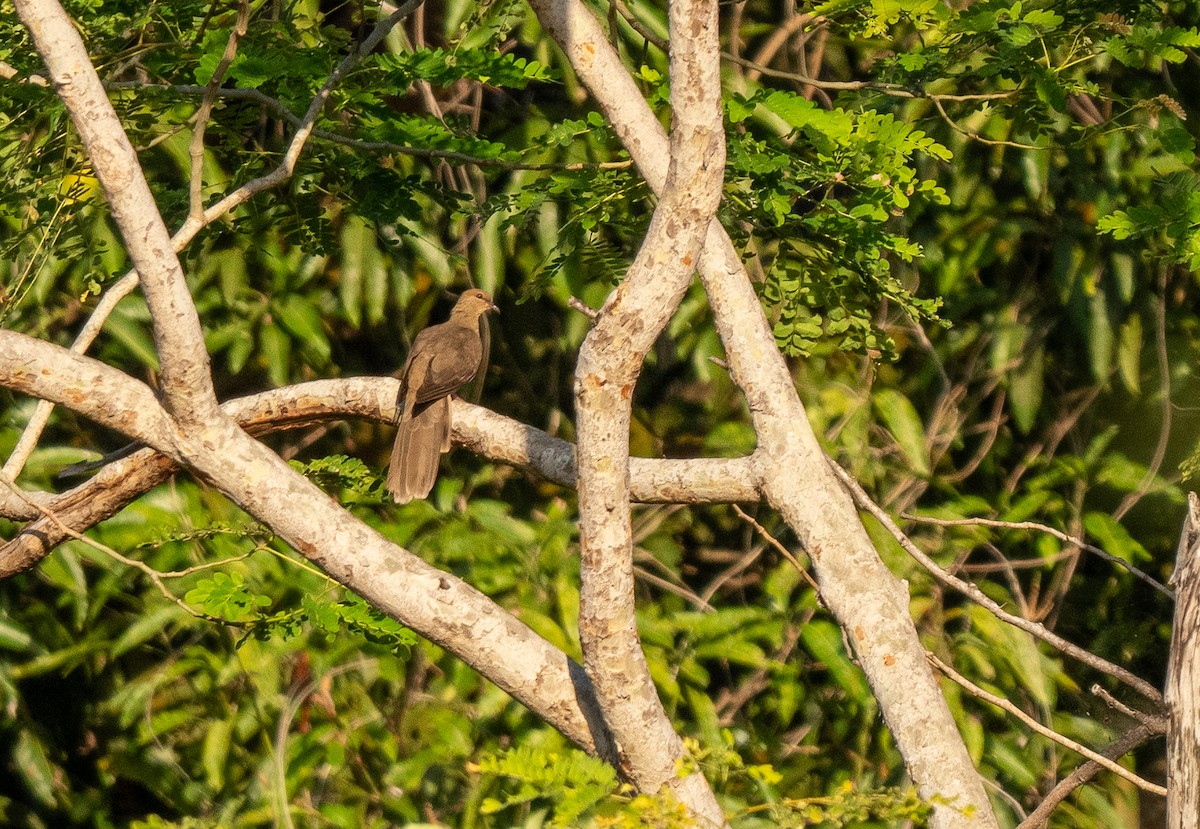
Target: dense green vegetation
<point>975,227</point>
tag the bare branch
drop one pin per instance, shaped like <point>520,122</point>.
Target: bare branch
<point>1119,747</point>
<point>156,578</point>
<point>1066,538</point>
<point>204,112</point>
<point>185,380</point>
<point>1048,733</point>
<point>870,603</point>
<point>610,361</point>
<point>779,548</point>
<point>112,399</point>
<point>976,595</point>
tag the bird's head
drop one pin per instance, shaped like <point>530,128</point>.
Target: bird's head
<point>474,304</point>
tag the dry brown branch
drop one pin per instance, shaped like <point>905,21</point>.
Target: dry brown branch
<point>1066,538</point>
<point>976,595</point>
<point>1119,747</point>
<point>1048,733</point>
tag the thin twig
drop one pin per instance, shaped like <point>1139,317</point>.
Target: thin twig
<point>973,592</point>
<point>775,542</point>
<point>974,136</point>
<point>638,26</point>
<point>854,86</point>
<point>729,702</point>
<point>588,311</point>
<point>776,41</point>
<point>671,587</point>
<point>294,701</point>
<point>204,112</point>
<point>732,570</point>
<point>1066,538</point>
<point>155,576</point>
<point>1048,733</point>
<point>279,109</point>
<point>1119,747</point>
<point>1158,724</point>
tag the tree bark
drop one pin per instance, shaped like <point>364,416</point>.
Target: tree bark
<point>1183,680</point>
<point>111,396</point>
<point>610,361</point>
<point>191,429</point>
<point>868,601</point>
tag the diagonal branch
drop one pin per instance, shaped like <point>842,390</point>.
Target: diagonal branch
<point>979,597</point>
<point>304,128</point>
<point>1127,742</point>
<point>868,601</point>
<point>610,361</point>
<point>438,605</point>
<point>186,382</point>
<point>1049,733</point>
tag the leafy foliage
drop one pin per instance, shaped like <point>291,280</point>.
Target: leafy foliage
<point>826,192</point>
<point>976,224</point>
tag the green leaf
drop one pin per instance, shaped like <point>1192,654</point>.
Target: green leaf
<point>33,767</point>
<point>902,420</point>
<point>1025,386</point>
<point>147,626</point>
<point>1129,354</point>
<point>13,637</point>
<point>824,641</point>
<point>215,753</point>
<point>1112,537</point>
<point>1044,19</point>
<point>277,351</point>
<point>302,319</point>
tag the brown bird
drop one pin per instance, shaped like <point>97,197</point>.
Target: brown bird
<point>443,358</point>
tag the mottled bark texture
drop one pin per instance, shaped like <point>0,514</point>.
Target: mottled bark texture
<point>610,361</point>
<point>1183,680</point>
<point>868,601</point>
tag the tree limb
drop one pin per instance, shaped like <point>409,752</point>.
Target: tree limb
<point>868,601</point>
<point>202,437</point>
<point>128,406</point>
<point>610,361</point>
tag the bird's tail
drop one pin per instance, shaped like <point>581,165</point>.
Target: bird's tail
<point>420,442</point>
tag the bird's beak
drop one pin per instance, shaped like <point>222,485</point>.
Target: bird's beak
<point>493,308</point>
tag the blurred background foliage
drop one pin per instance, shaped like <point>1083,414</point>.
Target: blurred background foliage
<point>976,228</point>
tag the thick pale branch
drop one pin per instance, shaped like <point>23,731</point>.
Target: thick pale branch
<point>125,405</point>
<point>1183,679</point>
<point>436,604</point>
<point>95,390</point>
<point>186,382</point>
<point>870,604</point>
<point>195,223</point>
<point>610,361</point>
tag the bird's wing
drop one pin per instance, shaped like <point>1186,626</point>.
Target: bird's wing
<point>444,358</point>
